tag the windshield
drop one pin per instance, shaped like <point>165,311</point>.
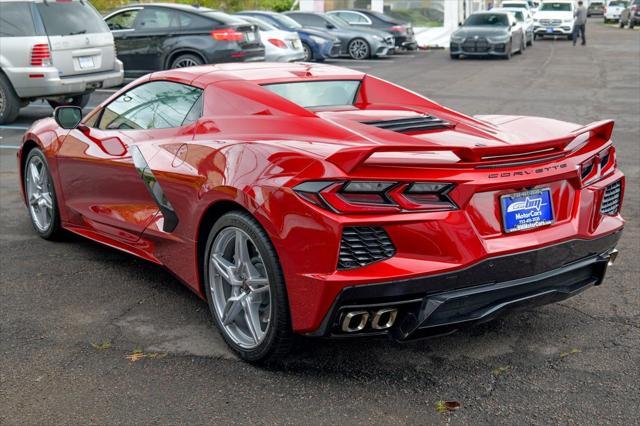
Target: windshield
<point>487,19</point>
<point>316,94</point>
<point>514,5</point>
<point>517,13</point>
<point>618,3</point>
<point>262,25</point>
<point>556,7</point>
<point>70,18</point>
<point>286,22</point>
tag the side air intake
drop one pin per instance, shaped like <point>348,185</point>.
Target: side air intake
<point>413,124</point>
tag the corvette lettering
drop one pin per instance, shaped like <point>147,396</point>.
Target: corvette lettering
<point>528,172</point>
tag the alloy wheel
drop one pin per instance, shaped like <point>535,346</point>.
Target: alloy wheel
<point>186,61</point>
<point>39,193</point>
<point>359,49</point>
<point>240,287</point>
<point>308,55</point>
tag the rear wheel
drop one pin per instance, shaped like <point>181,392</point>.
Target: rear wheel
<point>455,56</point>
<point>359,49</point>
<point>186,60</point>
<point>9,101</point>
<point>78,100</point>
<point>41,196</point>
<point>245,289</point>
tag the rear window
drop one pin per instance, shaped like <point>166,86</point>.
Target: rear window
<point>316,94</point>
<point>70,18</point>
<point>224,18</point>
<point>556,7</point>
<point>16,20</point>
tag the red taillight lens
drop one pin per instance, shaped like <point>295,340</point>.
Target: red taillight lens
<point>598,166</point>
<point>277,43</point>
<point>227,34</point>
<point>398,28</point>
<point>377,196</point>
<point>40,55</point>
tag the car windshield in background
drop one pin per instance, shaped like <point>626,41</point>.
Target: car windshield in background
<point>556,7</point>
<point>487,19</point>
<point>70,18</point>
<point>317,94</point>
<point>223,18</point>
<point>287,22</point>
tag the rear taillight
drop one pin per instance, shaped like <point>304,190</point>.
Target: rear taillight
<point>598,166</point>
<point>377,196</point>
<point>277,43</point>
<point>398,28</point>
<point>40,55</point>
<point>227,34</point>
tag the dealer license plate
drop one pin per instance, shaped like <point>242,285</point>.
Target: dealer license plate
<point>550,30</point>
<point>85,62</point>
<point>251,37</point>
<point>526,210</point>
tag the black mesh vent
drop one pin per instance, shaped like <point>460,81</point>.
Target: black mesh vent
<point>611,200</point>
<point>414,124</point>
<point>362,245</point>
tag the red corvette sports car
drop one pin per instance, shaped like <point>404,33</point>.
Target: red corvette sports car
<point>317,200</point>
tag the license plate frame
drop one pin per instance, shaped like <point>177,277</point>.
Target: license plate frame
<point>550,30</point>
<point>526,210</point>
<point>86,62</point>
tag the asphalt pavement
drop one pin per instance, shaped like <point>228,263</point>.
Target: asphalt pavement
<point>89,335</point>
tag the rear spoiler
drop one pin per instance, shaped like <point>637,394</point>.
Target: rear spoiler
<point>349,159</point>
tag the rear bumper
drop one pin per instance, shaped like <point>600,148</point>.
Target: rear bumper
<point>285,57</point>
<point>38,82</point>
<point>441,304</point>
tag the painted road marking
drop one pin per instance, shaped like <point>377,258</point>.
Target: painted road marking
<point>9,127</point>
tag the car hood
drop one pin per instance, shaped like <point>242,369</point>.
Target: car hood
<point>553,15</point>
<point>480,31</point>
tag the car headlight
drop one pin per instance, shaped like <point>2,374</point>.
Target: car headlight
<point>567,21</point>
<point>318,40</point>
<point>500,39</point>
<point>457,39</point>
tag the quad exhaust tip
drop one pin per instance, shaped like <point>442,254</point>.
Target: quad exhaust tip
<point>613,255</point>
<point>381,319</point>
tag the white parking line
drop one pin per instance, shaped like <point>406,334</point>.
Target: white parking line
<point>9,147</point>
<point>106,90</point>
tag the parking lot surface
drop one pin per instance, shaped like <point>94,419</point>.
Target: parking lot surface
<point>92,335</point>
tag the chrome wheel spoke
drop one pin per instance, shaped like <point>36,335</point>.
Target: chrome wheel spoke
<point>35,175</point>
<point>252,318</point>
<point>224,268</point>
<point>258,285</point>
<point>39,195</point>
<point>233,307</point>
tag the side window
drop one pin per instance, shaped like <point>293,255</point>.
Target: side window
<point>123,20</point>
<point>189,21</point>
<point>16,20</point>
<point>155,105</point>
<point>150,19</point>
<point>353,18</point>
<point>308,20</point>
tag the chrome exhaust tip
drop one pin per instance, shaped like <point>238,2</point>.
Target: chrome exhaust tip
<point>355,321</point>
<point>384,318</point>
<point>613,255</point>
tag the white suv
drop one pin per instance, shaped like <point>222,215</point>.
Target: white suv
<point>554,18</point>
<point>57,50</point>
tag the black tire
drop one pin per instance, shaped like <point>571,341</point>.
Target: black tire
<point>455,56</point>
<point>523,46</point>
<point>9,101</point>
<point>54,230</point>
<point>631,24</point>
<point>363,50</point>
<point>279,338</point>
<point>186,60</point>
<point>78,100</point>
<point>621,24</point>
<point>507,49</point>
<point>308,53</point>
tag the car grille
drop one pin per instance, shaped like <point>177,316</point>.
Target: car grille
<point>362,245</point>
<point>390,41</point>
<point>611,200</point>
<point>335,49</point>
<point>550,22</point>
<point>476,45</point>
<point>414,124</point>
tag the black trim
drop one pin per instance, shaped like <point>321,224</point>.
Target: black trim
<point>413,124</point>
<point>546,274</point>
<point>142,167</point>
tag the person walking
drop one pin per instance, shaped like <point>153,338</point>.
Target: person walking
<point>580,23</point>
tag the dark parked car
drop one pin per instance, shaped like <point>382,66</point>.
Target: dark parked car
<point>152,37</point>
<point>318,45</point>
<point>358,43</point>
<point>596,7</point>
<point>630,15</point>
<point>488,34</point>
<point>402,32</point>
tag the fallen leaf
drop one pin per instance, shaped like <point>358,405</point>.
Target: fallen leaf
<point>446,406</point>
<point>101,346</point>
<point>500,370</point>
<point>137,355</point>
<point>571,352</point>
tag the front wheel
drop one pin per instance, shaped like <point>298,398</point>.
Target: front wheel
<point>245,289</point>
<point>508,52</point>
<point>308,53</point>
<point>41,196</point>
<point>78,100</point>
<point>359,49</point>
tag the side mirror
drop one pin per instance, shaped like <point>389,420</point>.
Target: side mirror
<point>513,24</point>
<point>68,117</point>
<point>330,26</point>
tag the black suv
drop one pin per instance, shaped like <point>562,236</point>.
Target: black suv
<point>151,37</point>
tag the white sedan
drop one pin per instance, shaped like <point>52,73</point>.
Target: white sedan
<point>279,46</point>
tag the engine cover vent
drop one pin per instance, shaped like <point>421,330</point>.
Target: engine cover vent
<point>413,124</point>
